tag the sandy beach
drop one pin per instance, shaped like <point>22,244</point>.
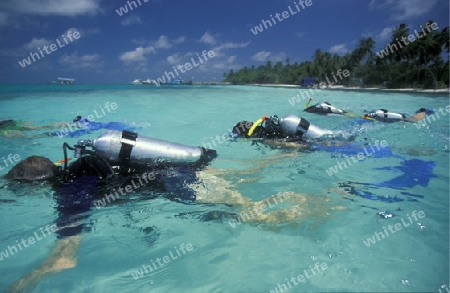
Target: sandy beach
<point>341,87</point>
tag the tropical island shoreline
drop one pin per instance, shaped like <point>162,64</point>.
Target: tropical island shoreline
<point>421,66</point>
<point>341,87</point>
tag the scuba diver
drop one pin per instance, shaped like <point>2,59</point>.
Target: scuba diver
<point>384,115</point>
<point>82,125</point>
<point>180,172</point>
<point>115,158</point>
<point>289,128</point>
<point>13,128</point>
<point>323,108</point>
<point>114,155</point>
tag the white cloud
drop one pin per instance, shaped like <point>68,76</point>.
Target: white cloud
<point>231,59</point>
<point>228,63</point>
<point>261,56</point>
<point>404,9</point>
<point>179,40</point>
<point>163,42</point>
<point>229,45</point>
<point>35,43</point>
<point>265,56</point>
<point>339,49</point>
<point>72,31</point>
<point>208,39</point>
<point>132,19</point>
<point>174,59</point>
<point>51,7</point>
<point>279,57</point>
<point>84,61</point>
<point>137,55</point>
<point>385,34</point>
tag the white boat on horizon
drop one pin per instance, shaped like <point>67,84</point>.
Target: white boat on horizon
<point>63,80</point>
<point>136,81</point>
<point>149,82</point>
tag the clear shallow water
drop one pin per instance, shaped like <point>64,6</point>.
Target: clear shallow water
<point>252,257</point>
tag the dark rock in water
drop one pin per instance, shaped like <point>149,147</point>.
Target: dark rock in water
<point>32,168</point>
<point>218,216</point>
<point>209,216</point>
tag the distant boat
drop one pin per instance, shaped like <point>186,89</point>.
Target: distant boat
<point>175,82</point>
<point>136,81</point>
<point>63,80</point>
<point>149,82</point>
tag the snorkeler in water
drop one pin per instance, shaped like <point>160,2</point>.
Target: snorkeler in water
<point>13,128</point>
<point>79,126</point>
<point>384,115</point>
<point>324,108</point>
<point>289,128</point>
<point>82,126</point>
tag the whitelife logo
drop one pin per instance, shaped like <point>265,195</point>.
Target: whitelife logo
<point>411,38</point>
<point>35,56</point>
<point>11,250</point>
<point>285,15</point>
<point>146,269</point>
<point>124,10</point>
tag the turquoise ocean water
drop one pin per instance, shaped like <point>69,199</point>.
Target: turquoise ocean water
<point>336,214</point>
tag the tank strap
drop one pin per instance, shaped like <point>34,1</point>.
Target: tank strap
<point>128,141</point>
<point>304,124</point>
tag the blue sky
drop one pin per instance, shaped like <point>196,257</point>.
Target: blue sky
<point>157,35</point>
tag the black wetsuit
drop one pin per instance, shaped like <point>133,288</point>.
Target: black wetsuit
<point>91,178</point>
<point>76,194</point>
<point>270,130</point>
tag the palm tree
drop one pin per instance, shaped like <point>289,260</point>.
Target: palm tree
<point>428,49</point>
<point>366,46</point>
<point>397,36</point>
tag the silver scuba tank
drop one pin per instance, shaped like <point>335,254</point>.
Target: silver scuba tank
<point>328,108</point>
<point>295,126</point>
<point>146,150</point>
<point>386,116</point>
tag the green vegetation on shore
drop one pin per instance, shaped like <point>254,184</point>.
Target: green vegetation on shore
<point>409,60</point>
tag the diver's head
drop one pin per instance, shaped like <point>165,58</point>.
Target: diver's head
<point>246,129</point>
<point>241,129</point>
<point>31,169</point>
<point>78,118</point>
<point>425,110</point>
